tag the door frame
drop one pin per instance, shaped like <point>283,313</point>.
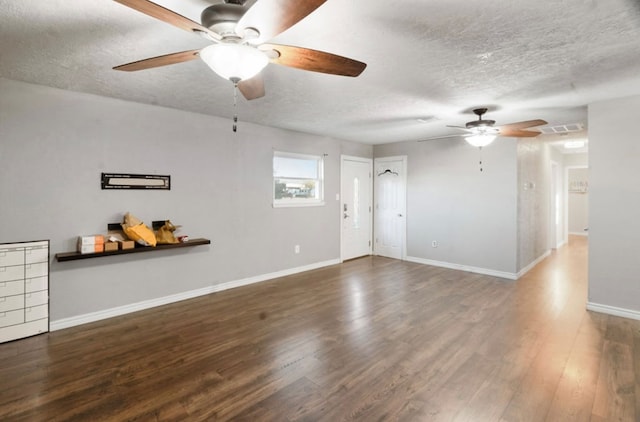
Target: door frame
<point>403,243</point>
<point>556,236</point>
<point>566,198</point>
<point>369,161</point>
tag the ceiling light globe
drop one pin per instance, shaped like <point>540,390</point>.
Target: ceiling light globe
<point>235,62</point>
<point>573,144</point>
<point>480,140</point>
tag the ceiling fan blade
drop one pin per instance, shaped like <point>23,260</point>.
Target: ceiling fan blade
<point>523,125</point>
<point>314,60</point>
<point>459,127</point>
<point>442,137</point>
<point>167,59</point>
<point>517,133</point>
<point>252,88</point>
<point>161,13</point>
<point>271,17</point>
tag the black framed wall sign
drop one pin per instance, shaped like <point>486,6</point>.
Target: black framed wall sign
<point>135,181</point>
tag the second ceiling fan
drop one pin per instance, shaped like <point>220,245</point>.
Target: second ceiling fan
<point>239,30</point>
<point>482,132</point>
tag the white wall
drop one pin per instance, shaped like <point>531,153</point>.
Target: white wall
<point>557,197</point>
<point>471,214</point>
<point>54,144</point>
<point>614,207</point>
<point>534,184</point>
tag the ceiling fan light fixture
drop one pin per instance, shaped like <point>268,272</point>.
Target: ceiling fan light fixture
<point>480,140</point>
<point>235,62</point>
<point>573,144</point>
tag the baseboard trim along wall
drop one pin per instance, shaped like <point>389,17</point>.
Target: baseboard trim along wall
<point>612,310</point>
<point>534,263</point>
<point>152,303</point>
<point>478,270</point>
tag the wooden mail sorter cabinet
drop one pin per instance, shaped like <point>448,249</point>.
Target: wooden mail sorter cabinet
<point>24,289</point>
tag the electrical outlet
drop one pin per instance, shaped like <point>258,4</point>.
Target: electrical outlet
<point>434,244</point>
<point>296,249</point>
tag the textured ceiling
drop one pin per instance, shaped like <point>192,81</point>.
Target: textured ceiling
<point>429,59</point>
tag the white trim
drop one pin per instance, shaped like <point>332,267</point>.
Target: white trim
<point>478,270</point>
<point>534,263</point>
<point>612,310</point>
<point>579,233</point>
<point>556,189</point>
<point>292,204</point>
<point>151,303</point>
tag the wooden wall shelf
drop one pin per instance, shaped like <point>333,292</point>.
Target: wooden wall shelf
<point>72,256</point>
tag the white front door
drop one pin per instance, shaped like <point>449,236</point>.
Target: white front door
<point>355,207</point>
<point>390,206</point>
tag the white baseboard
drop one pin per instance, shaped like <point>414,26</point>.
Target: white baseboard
<point>478,270</point>
<point>612,310</point>
<point>534,263</point>
<point>579,233</point>
<point>151,303</point>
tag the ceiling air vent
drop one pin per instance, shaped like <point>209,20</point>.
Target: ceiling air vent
<point>573,127</point>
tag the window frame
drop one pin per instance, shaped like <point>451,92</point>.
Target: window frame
<point>299,202</point>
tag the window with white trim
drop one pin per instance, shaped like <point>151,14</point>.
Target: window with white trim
<point>297,179</point>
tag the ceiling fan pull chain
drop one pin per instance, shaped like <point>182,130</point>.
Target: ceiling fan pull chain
<point>480,148</point>
<point>235,106</point>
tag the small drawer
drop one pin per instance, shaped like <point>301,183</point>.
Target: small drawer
<point>11,318</point>
<point>36,312</point>
<point>36,298</point>
<point>15,272</point>
<point>11,288</point>
<point>36,284</point>
<point>36,254</point>
<point>36,270</point>
<point>12,256</point>
<point>11,303</point>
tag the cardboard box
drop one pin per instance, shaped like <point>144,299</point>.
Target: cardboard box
<point>126,244</point>
<point>91,244</point>
<point>91,240</point>
<point>97,248</point>
<point>119,236</point>
<point>110,246</point>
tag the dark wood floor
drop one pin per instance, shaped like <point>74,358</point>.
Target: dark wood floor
<point>371,340</point>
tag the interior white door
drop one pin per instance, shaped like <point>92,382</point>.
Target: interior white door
<point>356,207</point>
<point>390,206</point>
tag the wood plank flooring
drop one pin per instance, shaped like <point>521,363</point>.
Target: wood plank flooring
<point>373,339</point>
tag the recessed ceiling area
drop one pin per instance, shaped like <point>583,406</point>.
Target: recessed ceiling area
<point>428,62</point>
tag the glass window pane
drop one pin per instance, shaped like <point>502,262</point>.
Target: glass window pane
<point>356,203</point>
<point>297,179</point>
<point>302,168</point>
<point>295,188</point>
